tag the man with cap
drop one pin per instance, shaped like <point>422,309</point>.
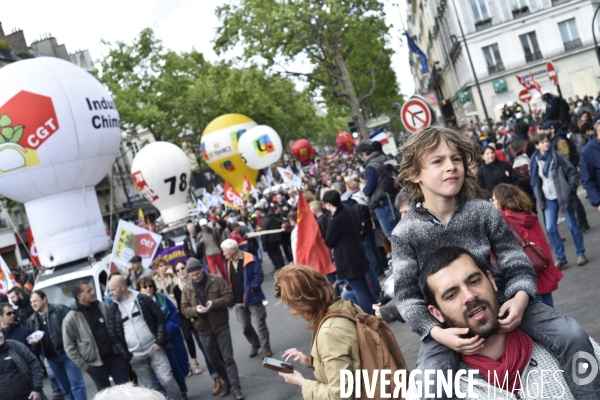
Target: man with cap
<point>205,302</point>
<point>136,271</point>
<point>560,142</point>
<point>245,277</point>
<point>208,240</point>
<point>590,167</point>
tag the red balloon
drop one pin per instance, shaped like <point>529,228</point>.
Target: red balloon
<point>345,142</point>
<point>303,151</point>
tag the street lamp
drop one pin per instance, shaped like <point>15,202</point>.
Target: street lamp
<point>462,33</point>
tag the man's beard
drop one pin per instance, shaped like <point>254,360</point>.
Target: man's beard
<point>485,327</point>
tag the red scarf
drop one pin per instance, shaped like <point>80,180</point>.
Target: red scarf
<point>517,352</point>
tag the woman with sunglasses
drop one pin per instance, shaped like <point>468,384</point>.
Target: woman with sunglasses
<point>176,351</point>
<point>189,333</point>
<point>310,296</point>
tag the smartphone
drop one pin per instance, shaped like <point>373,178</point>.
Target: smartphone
<point>277,365</point>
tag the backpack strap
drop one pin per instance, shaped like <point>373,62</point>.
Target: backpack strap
<point>524,148</point>
<point>522,151</point>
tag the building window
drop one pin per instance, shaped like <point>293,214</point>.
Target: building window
<point>480,12</point>
<point>519,8</point>
<point>570,36</point>
<point>530,47</point>
<point>493,59</point>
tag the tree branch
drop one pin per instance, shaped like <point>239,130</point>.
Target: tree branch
<point>371,91</point>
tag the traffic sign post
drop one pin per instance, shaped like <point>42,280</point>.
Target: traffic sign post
<point>525,96</point>
<point>416,115</point>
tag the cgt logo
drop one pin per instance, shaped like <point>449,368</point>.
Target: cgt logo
<point>23,131</point>
<point>589,366</point>
<point>263,145</point>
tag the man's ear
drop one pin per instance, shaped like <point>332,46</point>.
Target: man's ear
<point>436,314</point>
<point>492,281</point>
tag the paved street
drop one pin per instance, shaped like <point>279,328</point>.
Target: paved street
<point>577,296</point>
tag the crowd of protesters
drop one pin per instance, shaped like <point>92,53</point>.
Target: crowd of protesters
<point>527,161</point>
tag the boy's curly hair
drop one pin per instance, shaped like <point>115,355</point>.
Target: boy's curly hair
<point>429,139</point>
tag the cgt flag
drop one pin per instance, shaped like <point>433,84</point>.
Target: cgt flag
<point>310,248</point>
<point>536,85</point>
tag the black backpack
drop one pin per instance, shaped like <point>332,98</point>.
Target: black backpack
<point>390,169</point>
<point>363,215</point>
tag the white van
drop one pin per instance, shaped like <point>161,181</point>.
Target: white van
<point>58,282</point>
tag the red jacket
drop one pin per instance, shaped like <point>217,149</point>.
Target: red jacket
<point>530,229</point>
<point>500,155</point>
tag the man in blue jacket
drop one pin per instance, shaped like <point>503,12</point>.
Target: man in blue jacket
<point>589,162</point>
<point>379,187</point>
<point>10,327</point>
<point>244,277</point>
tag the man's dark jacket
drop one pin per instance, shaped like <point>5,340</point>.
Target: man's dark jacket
<point>24,311</point>
<point>56,315</point>
<point>152,314</point>
<point>269,222</point>
<point>28,365</point>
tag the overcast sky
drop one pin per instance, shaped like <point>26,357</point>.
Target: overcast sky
<point>180,24</point>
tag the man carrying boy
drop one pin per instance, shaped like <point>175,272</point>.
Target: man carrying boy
<point>436,176</point>
<point>461,294</point>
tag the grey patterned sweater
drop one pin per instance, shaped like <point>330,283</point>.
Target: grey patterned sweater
<point>475,225</point>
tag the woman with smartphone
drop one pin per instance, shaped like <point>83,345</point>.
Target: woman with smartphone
<point>334,346</point>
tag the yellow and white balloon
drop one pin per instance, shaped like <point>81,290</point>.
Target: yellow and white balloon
<point>233,145</point>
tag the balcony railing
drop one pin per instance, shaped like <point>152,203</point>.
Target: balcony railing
<point>573,44</point>
<point>519,12</point>
<point>483,24</point>
<point>533,56</point>
<point>492,69</point>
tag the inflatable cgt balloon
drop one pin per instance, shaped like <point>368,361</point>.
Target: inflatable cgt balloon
<point>161,173</point>
<point>303,151</point>
<point>345,142</point>
<point>260,147</point>
<point>59,136</point>
<point>220,149</point>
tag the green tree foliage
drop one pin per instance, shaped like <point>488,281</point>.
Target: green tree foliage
<point>175,96</point>
<point>344,40</point>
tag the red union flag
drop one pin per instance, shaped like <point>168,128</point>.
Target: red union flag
<point>232,198</point>
<point>310,248</point>
<point>535,84</point>
<point>526,84</point>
